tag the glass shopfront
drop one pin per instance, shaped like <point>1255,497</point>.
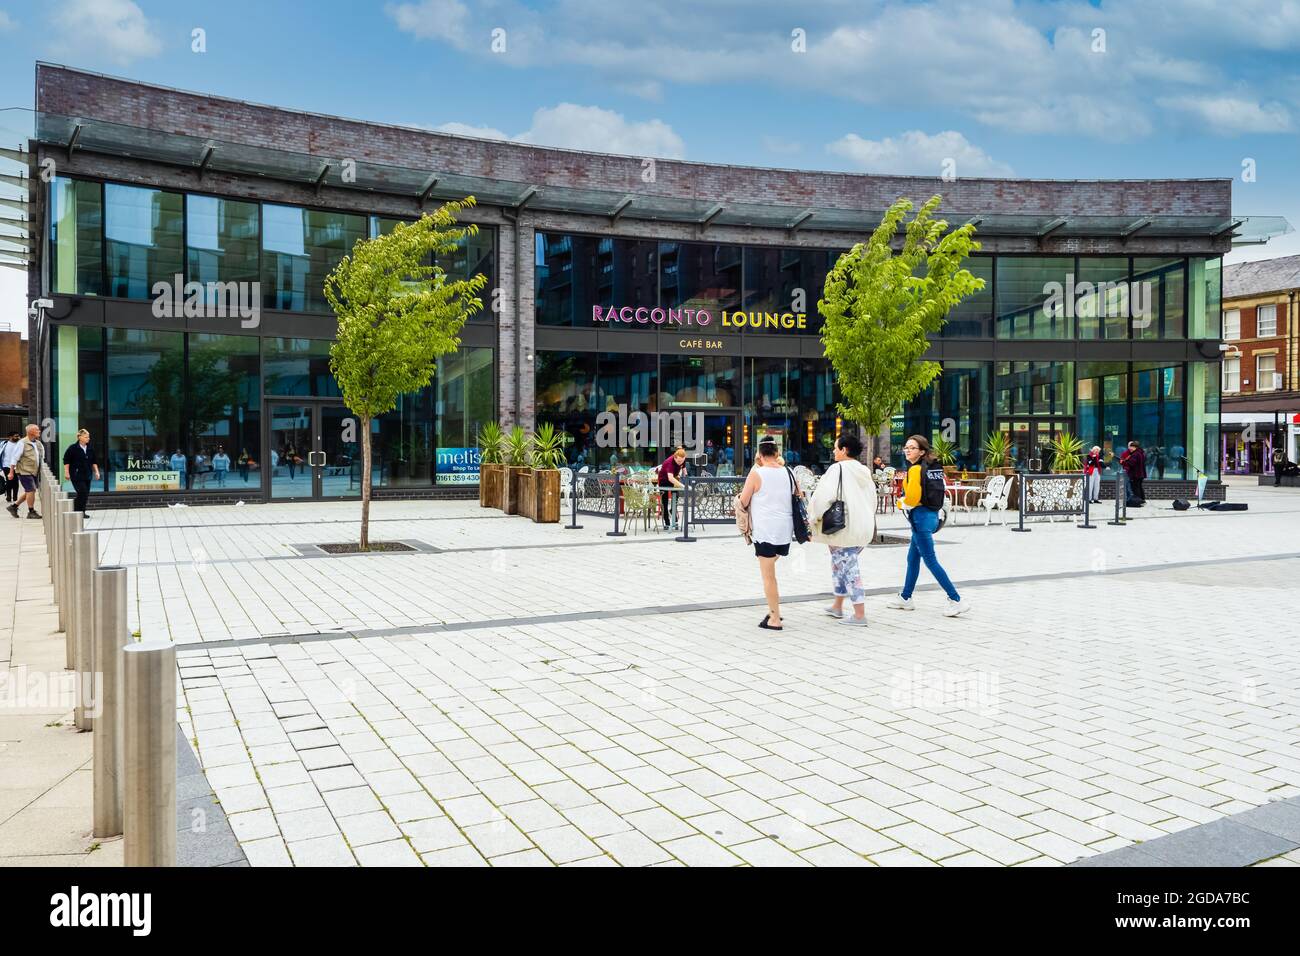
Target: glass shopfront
<point>203,412</point>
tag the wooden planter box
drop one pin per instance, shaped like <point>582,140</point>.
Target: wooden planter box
<point>546,496</point>
<point>491,485</point>
<point>518,486</point>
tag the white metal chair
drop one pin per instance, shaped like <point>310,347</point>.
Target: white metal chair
<point>996,490</point>
<point>566,483</point>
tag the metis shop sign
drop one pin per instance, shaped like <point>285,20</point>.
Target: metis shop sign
<point>774,321</point>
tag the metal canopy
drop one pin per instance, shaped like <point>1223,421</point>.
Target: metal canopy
<point>421,185</point>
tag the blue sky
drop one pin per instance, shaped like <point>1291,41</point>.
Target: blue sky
<point>1176,88</point>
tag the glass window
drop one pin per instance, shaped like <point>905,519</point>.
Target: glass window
<point>473,255</point>
<point>1265,367</point>
<point>297,367</point>
<point>1266,321</point>
<point>696,275</point>
<point>965,409</point>
<point>299,249</point>
<point>144,239</point>
<point>628,379</point>
<point>145,444</point>
<point>1102,305</point>
<point>1162,283</point>
<point>225,387</point>
<point>401,443</point>
<point>573,273</point>
<point>698,380</point>
<point>1232,325</point>
<point>1232,374</point>
<point>973,316</point>
<point>76,237</point>
<point>466,400</point>
<point>567,394</point>
<point>1024,286</point>
<point>77,390</point>
<point>221,240</point>
<point>794,399</point>
<point>787,280</point>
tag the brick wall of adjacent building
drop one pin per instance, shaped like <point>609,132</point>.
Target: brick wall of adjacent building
<point>13,369</point>
<point>1252,345</point>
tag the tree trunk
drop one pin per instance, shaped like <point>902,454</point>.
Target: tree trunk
<point>365,484</point>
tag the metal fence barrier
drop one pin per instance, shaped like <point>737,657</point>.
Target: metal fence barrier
<point>1051,495</point>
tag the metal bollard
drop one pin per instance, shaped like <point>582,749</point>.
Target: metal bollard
<point>688,510</point>
<point>62,508</point>
<point>1021,505</point>
<point>85,558</point>
<point>618,508</point>
<point>149,753</point>
<point>110,637</point>
<point>69,523</point>
<point>1120,500</point>
<point>573,504</point>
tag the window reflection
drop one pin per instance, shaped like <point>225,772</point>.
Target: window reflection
<point>144,241</point>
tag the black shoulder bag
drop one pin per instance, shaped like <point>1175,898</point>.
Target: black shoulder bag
<point>798,511</point>
<point>836,518</point>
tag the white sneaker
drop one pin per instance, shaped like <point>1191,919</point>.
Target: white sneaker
<point>852,621</point>
<point>956,607</point>
<point>830,610</point>
<point>902,603</point>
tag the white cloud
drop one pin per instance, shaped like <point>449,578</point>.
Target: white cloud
<point>587,128</point>
<point>1231,115</point>
<point>433,20</point>
<point>915,153</point>
<point>115,29</point>
<point>6,22</point>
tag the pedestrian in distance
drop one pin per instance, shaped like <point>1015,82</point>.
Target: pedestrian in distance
<point>79,466</point>
<point>766,496</point>
<point>1134,463</point>
<point>220,466</point>
<point>1092,466</point>
<point>26,459</point>
<point>923,499</point>
<point>7,476</point>
<point>846,529</point>
<point>670,474</point>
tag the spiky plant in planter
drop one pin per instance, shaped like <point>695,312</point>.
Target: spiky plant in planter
<point>1067,452</point>
<point>490,442</point>
<point>548,447</point>
<point>491,472</point>
<point>996,449</point>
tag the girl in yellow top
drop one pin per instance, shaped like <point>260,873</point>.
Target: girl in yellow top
<point>924,521</point>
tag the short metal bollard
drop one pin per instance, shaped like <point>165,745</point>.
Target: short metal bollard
<point>1085,507</point>
<point>1020,526</point>
<point>110,637</point>
<point>69,524</point>
<point>618,508</point>
<point>1121,501</point>
<point>85,558</point>
<point>149,753</point>
<point>688,512</point>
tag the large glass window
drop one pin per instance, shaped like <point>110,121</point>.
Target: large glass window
<point>402,443</point>
<point>299,249</point>
<point>221,240</point>
<point>1024,286</point>
<point>144,239</point>
<point>77,388</point>
<point>568,395</point>
<point>696,275</point>
<point>698,380</point>
<point>793,400</point>
<point>297,367</point>
<point>473,255</point>
<point>146,381</point>
<point>76,237</point>
<point>224,412</point>
<point>573,273</point>
<point>1163,282</point>
<point>466,389</point>
<point>973,316</point>
<point>965,409</point>
<point>1101,304</point>
<point>787,280</point>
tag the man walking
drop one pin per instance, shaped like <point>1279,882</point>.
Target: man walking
<point>7,477</point>
<point>78,465</point>
<point>27,464</point>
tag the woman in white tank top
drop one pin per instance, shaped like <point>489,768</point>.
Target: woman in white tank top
<point>766,495</point>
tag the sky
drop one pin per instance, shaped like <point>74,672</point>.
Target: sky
<point>1064,89</point>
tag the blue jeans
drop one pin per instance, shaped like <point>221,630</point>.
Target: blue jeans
<point>925,521</point>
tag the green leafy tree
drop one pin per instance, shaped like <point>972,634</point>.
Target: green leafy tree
<point>397,312</point>
<point>880,306</point>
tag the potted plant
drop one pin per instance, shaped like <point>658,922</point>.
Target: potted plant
<point>997,449</point>
<point>548,456</point>
<point>945,453</point>
<point>491,476</point>
<point>518,448</point>
<point>1067,452</point>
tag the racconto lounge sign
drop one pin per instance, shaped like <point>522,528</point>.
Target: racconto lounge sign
<point>698,318</point>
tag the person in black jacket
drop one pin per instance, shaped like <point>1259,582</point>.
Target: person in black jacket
<point>79,465</point>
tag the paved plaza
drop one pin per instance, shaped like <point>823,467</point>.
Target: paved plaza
<point>520,694</point>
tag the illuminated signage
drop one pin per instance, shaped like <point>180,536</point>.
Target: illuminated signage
<point>643,315</point>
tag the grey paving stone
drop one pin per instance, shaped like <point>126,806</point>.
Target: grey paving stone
<point>1221,843</point>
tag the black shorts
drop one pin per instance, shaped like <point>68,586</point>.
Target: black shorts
<point>28,482</point>
<point>765,550</point>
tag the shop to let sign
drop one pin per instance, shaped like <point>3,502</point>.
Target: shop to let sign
<point>147,480</point>
<point>457,466</point>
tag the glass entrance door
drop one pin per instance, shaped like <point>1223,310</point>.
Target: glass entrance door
<point>313,451</point>
<point>1031,440</point>
<point>720,442</point>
